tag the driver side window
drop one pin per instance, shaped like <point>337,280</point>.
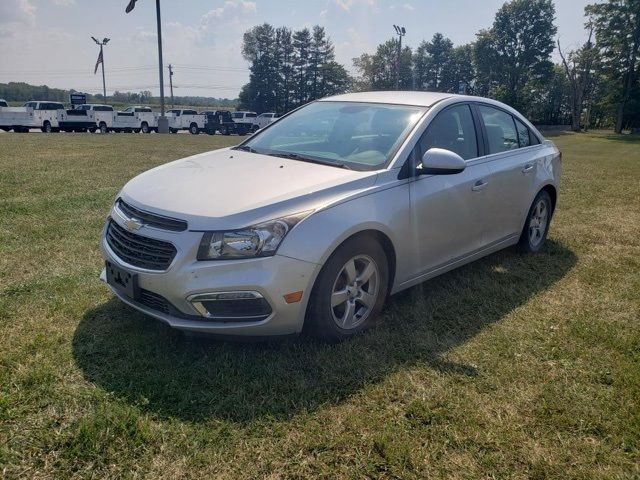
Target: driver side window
<point>453,129</point>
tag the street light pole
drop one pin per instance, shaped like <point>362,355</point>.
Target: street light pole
<point>163,122</point>
<point>401,32</point>
<point>104,83</point>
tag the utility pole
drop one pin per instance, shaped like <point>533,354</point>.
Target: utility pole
<point>401,32</point>
<point>101,61</point>
<point>163,122</point>
<point>171,84</point>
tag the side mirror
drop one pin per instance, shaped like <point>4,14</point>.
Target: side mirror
<point>438,161</point>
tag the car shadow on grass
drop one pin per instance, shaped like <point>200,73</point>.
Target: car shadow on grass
<point>146,363</point>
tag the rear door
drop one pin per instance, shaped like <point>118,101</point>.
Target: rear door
<point>448,212</point>
<point>511,161</point>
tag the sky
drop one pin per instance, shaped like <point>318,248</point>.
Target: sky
<point>49,41</point>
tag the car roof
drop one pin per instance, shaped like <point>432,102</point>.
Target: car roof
<point>423,99</point>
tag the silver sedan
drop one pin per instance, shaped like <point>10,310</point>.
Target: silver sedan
<point>315,220</point>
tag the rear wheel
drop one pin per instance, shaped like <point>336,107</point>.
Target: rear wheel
<point>536,226</point>
<point>46,127</point>
<point>350,290</point>
<point>145,127</point>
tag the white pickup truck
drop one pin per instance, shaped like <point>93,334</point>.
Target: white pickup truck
<point>246,119</point>
<point>185,119</point>
<point>265,119</point>
<point>135,119</point>
<point>85,117</point>
<point>34,114</point>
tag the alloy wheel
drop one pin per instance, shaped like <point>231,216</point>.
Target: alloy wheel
<point>538,223</point>
<point>355,292</point>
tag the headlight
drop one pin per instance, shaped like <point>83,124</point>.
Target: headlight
<point>261,240</point>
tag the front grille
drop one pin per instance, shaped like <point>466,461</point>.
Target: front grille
<point>154,301</point>
<point>151,219</point>
<point>137,250</point>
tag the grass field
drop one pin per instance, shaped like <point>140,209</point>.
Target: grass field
<point>512,367</point>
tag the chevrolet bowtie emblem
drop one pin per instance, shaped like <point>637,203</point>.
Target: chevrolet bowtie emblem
<point>132,224</point>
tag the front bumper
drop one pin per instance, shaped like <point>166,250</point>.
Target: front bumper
<point>272,277</point>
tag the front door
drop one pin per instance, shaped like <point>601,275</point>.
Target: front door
<point>448,212</point>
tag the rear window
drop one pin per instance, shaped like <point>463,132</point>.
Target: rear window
<point>238,115</point>
<point>500,128</point>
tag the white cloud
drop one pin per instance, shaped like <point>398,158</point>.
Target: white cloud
<point>64,3</point>
<point>15,15</point>
<point>408,6</point>
<point>346,5</point>
<point>230,7</point>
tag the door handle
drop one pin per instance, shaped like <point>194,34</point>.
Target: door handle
<point>528,167</point>
<point>479,185</point>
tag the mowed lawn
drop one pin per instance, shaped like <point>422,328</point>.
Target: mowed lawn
<point>513,367</point>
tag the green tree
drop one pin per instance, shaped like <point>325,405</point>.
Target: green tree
<point>516,49</point>
<point>434,65</point>
<point>617,27</point>
<point>378,71</point>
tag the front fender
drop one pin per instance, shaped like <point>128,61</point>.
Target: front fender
<point>385,210</point>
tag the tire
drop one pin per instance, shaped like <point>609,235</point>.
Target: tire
<point>341,305</point>
<point>144,128</point>
<point>103,128</point>
<point>173,130</point>
<point>93,130</point>
<point>255,128</point>
<point>226,131</point>
<point>193,129</point>
<point>537,224</point>
<point>46,127</point>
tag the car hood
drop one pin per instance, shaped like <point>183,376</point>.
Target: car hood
<point>228,189</point>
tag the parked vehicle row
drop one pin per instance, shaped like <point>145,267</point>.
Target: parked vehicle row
<point>53,117</point>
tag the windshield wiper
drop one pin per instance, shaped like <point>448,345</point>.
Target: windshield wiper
<point>245,148</point>
<point>302,158</point>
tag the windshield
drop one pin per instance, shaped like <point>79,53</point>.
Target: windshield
<point>362,136</point>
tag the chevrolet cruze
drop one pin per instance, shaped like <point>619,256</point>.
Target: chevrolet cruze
<point>315,220</point>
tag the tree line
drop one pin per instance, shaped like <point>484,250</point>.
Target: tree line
<point>24,92</point>
<point>594,85</point>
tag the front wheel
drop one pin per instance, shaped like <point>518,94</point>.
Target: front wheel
<point>350,291</point>
<point>193,129</point>
<point>145,127</point>
<point>103,128</point>
<point>536,226</point>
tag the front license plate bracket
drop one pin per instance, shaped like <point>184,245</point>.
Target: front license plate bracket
<point>119,278</point>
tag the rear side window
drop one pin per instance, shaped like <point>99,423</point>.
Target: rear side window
<point>251,115</point>
<point>452,130</point>
<point>103,108</point>
<point>190,112</point>
<point>500,128</point>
